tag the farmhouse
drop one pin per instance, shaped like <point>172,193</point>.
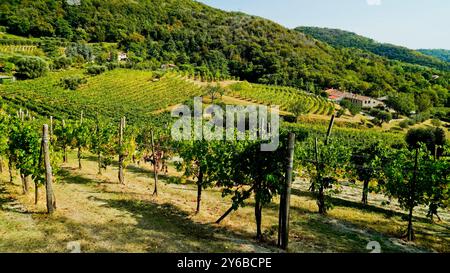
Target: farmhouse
<point>365,102</point>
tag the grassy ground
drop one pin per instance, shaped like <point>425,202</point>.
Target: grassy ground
<point>104,216</point>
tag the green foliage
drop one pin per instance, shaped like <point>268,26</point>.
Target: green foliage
<point>352,107</point>
<point>403,103</point>
<point>288,98</point>
<point>214,44</point>
<point>431,137</point>
<point>96,69</point>
<point>30,67</point>
<point>321,161</point>
<point>24,147</point>
<point>113,94</point>
<point>340,38</point>
<point>381,115</point>
<point>72,82</point>
<point>366,165</point>
<point>81,51</point>
<point>62,63</point>
<point>442,54</point>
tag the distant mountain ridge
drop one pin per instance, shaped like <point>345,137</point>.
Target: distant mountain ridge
<point>443,54</point>
<point>345,39</point>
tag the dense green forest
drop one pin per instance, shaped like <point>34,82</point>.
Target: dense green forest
<point>210,41</point>
<point>442,54</point>
<point>344,39</point>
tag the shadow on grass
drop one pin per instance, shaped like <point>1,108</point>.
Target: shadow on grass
<point>4,197</point>
<point>357,205</point>
<point>180,232</point>
<point>70,178</point>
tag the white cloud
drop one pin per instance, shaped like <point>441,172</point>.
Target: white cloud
<point>374,2</point>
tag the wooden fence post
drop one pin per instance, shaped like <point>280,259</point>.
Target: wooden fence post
<point>51,129</point>
<point>283,236</point>
<point>121,153</point>
<point>155,167</point>
<point>330,127</point>
<point>51,207</point>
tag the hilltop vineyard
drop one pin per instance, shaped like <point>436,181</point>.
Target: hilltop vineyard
<point>285,97</point>
<point>136,94</point>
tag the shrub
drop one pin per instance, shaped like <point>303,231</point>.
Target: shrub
<point>30,67</point>
<point>62,63</point>
<point>404,124</point>
<point>111,65</point>
<point>382,116</point>
<point>436,122</point>
<point>80,50</point>
<point>340,112</point>
<point>7,67</point>
<point>352,107</point>
<point>96,69</point>
<point>72,82</point>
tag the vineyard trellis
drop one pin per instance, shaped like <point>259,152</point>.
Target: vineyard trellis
<point>238,168</point>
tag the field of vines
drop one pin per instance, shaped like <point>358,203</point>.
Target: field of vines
<point>393,168</point>
<point>285,97</point>
<point>131,93</point>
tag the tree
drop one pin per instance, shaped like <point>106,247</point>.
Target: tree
<point>352,107</point>
<point>439,195</point>
<point>154,144</point>
<point>433,138</point>
<point>366,163</point>
<point>72,82</point>
<point>64,137</point>
<point>403,103</point>
<point>298,108</point>
<point>30,67</point>
<point>423,102</point>
<point>411,175</point>
<point>197,157</point>
<point>24,149</point>
<point>243,170</point>
<point>81,137</point>
<point>321,162</point>
<point>126,147</point>
<point>101,143</point>
<point>4,133</point>
<point>380,115</point>
<point>214,91</point>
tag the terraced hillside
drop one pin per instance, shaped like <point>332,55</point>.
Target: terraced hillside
<point>133,93</point>
<point>285,97</point>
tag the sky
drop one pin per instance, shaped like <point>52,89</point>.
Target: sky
<point>411,23</point>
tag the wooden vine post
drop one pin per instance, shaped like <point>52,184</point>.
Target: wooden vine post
<point>23,177</point>
<point>321,193</point>
<point>79,146</point>
<point>330,128</point>
<point>51,202</point>
<point>64,142</point>
<point>283,228</point>
<point>121,152</point>
<point>155,165</point>
<point>51,129</point>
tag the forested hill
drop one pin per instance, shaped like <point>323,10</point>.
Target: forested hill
<point>442,54</point>
<point>199,38</point>
<point>341,38</point>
